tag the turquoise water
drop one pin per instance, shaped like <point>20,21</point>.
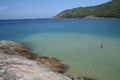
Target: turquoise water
<point>75,41</point>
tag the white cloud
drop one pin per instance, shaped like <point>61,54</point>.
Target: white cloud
<point>3,7</point>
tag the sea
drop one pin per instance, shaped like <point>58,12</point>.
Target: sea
<point>90,47</point>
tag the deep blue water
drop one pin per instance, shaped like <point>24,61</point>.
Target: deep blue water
<point>17,29</point>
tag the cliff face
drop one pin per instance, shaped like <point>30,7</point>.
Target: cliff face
<point>13,66</point>
<point>106,10</point>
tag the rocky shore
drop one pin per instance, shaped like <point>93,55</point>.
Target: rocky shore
<point>17,62</point>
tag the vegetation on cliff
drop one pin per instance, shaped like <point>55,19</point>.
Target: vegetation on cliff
<point>107,10</point>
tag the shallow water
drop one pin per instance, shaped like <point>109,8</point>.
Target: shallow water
<point>81,52</point>
<point>75,41</point>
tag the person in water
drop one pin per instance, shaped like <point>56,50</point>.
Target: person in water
<point>101,46</point>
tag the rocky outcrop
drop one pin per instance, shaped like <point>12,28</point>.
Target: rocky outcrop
<point>13,67</point>
<point>17,62</point>
<point>13,48</point>
<point>16,67</point>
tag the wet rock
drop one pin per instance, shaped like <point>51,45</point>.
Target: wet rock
<point>54,63</point>
<point>73,77</point>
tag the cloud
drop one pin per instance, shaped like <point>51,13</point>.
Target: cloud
<point>3,7</point>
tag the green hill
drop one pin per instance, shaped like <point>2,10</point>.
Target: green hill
<point>107,10</point>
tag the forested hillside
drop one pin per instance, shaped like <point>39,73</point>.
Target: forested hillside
<point>107,10</point>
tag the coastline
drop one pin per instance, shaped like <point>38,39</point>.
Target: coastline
<point>87,18</point>
<point>21,60</point>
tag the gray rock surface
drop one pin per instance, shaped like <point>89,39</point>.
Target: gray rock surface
<point>16,67</point>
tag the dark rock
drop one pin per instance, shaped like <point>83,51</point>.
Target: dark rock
<point>73,77</point>
<point>54,63</point>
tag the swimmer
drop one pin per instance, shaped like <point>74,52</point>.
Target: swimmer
<point>101,46</point>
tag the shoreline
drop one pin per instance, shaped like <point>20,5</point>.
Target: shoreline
<point>20,51</point>
<point>57,18</point>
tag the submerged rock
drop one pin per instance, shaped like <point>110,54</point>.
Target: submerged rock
<point>73,77</point>
<point>54,63</point>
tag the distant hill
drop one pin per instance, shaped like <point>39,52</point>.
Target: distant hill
<point>107,10</point>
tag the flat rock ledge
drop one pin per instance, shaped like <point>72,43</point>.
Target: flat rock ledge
<point>18,63</point>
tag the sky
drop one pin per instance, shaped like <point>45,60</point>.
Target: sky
<point>22,9</point>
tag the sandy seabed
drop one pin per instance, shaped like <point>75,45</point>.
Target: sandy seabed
<point>81,52</point>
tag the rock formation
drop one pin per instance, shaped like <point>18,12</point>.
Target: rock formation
<point>15,67</point>
<point>18,63</point>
